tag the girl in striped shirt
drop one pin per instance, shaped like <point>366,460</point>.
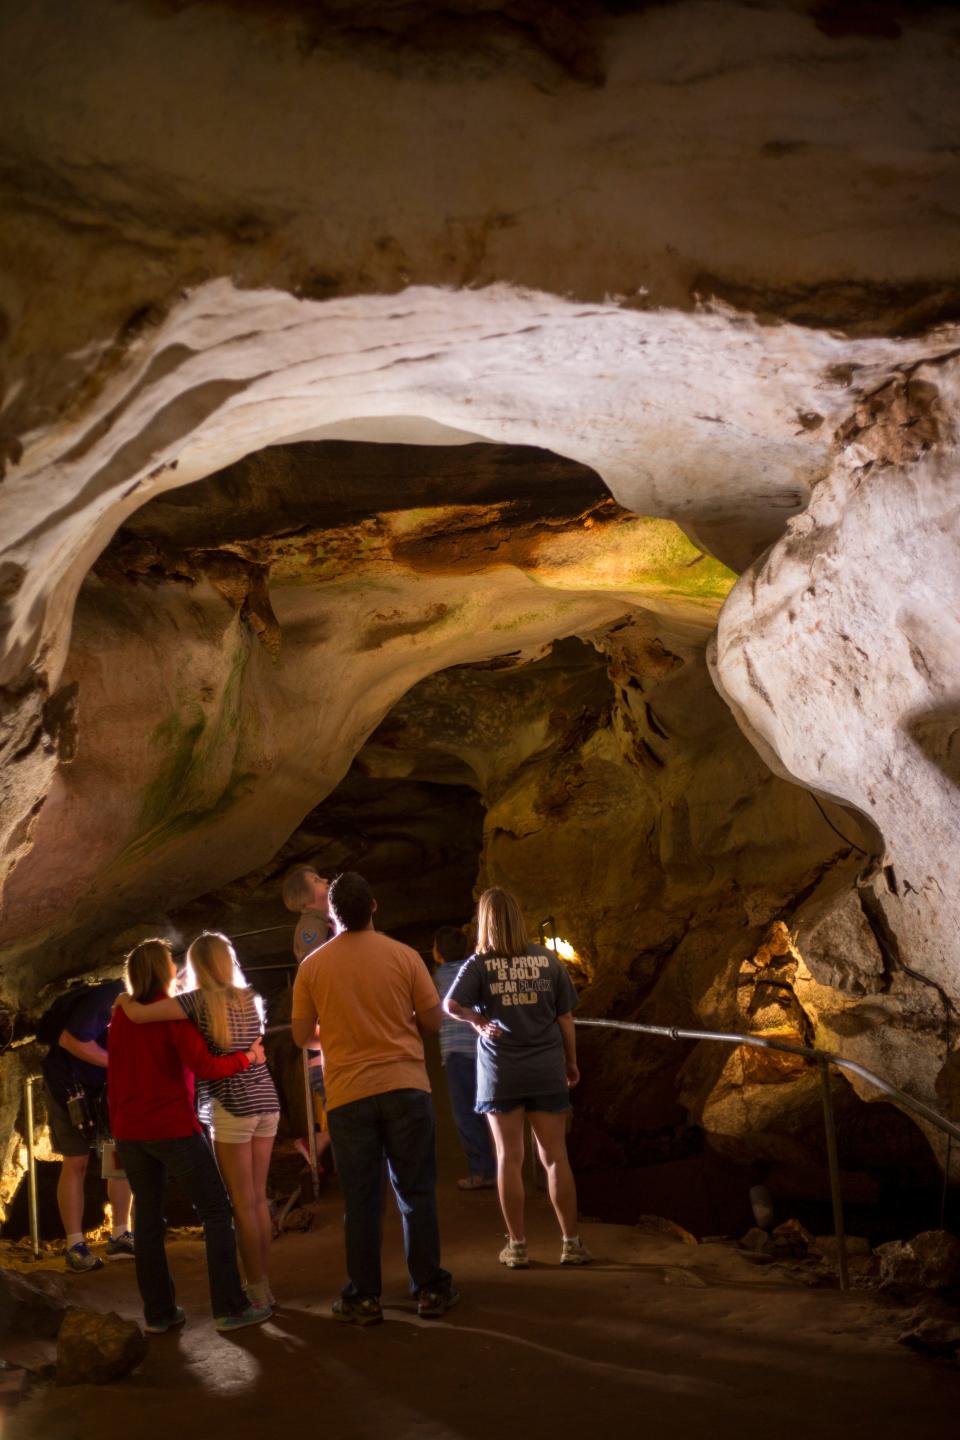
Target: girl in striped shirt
<point>243,1110</point>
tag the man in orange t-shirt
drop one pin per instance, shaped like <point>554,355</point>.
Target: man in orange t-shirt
<point>362,996</point>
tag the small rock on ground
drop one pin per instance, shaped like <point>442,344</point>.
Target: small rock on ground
<point>669,1229</point>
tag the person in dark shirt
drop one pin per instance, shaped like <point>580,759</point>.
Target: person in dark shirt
<point>518,998</point>
<point>78,1061</point>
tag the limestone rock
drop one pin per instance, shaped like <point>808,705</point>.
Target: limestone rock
<point>948,1086</point>
<point>875,554</point>
<point>31,1305</point>
<point>792,1239</point>
<point>840,949</point>
<point>930,1261</point>
<point>93,1349</point>
<point>827,1246</point>
<point>933,1337</point>
<point>668,1229</point>
<point>757,1241</point>
<point>932,1328</point>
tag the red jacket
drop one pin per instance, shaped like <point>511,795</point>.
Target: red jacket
<point>150,1076</point>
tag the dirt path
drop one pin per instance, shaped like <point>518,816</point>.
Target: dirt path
<point>658,1339</point>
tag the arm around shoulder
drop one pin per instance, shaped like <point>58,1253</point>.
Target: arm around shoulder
<point>193,1052</point>
<point>169,1009</point>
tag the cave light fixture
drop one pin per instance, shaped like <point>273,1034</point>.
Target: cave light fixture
<point>563,948</point>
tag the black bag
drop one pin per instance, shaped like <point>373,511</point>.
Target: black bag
<point>86,1107</point>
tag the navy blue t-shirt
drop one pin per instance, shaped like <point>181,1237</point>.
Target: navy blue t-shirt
<point>524,995</point>
<point>88,1020</point>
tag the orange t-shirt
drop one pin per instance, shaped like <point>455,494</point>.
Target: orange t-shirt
<point>363,988</point>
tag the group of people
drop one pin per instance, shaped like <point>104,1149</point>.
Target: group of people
<point>362,1003</point>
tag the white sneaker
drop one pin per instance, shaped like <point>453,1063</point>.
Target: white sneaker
<point>514,1255</point>
<point>574,1252</point>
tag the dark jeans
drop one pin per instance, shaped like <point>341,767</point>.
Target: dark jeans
<point>190,1161</point>
<point>398,1124</point>
<point>472,1128</point>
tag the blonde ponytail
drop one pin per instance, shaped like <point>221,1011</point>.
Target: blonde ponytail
<point>213,969</point>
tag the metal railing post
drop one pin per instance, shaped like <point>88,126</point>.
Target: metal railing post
<point>836,1195</point>
<point>31,1168</point>
<point>311,1126</point>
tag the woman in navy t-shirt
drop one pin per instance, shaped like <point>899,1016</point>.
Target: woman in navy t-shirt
<point>518,997</point>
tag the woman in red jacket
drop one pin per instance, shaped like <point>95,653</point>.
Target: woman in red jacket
<point>150,1087</point>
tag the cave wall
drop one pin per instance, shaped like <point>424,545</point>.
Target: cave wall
<point>623,801</point>
<point>841,652</point>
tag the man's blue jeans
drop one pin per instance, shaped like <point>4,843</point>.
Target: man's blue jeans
<point>399,1125</point>
<point>471,1127</point>
<point>190,1161</point>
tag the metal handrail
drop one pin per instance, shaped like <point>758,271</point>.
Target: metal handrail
<point>764,1042</point>
<point>823,1059</point>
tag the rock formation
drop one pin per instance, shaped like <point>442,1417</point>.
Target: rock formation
<point>409,387</point>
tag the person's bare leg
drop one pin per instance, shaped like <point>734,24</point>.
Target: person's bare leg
<point>236,1167</point>
<point>70,1192</point>
<point>261,1150</point>
<point>120,1196</point>
<point>551,1136</point>
<point>507,1132</point>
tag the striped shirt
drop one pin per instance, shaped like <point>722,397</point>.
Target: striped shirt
<point>456,1038</point>
<point>252,1091</point>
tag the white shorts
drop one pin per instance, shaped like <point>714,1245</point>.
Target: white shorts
<point>231,1129</point>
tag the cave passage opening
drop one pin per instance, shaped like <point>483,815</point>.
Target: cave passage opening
<point>491,673</point>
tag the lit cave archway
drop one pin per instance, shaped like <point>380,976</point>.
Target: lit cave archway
<point>538,655</point>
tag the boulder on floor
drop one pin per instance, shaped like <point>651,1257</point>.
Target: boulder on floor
<point>756,1242</point>
<point>930,1261</point>
<point>93,1349</point>
<point>933,1337</point>
<point>31,1306</point>
<point>792,1240</point>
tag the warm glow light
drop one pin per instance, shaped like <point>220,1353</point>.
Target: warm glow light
<point>563,948</point>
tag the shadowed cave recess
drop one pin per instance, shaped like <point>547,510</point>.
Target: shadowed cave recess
<point>587,762</point>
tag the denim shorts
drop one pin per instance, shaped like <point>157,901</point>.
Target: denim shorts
<point>547,1104</point>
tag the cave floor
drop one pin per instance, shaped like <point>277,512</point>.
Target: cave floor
<point>657,1336</point>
